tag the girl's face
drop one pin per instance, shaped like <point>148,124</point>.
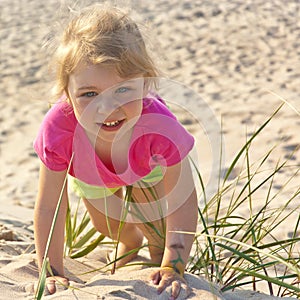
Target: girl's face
<point>104,103</point>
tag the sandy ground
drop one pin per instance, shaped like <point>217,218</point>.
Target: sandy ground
<point>232,63</point>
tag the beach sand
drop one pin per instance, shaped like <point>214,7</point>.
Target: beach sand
<point>234,62</point>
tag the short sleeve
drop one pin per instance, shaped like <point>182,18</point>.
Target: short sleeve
<point>171,143</point>
<point>160,138</point>
<point>53,143</point>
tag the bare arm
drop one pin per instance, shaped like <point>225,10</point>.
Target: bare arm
<point>181,221</point>
<point>50,185</point>
<point>183,214</point>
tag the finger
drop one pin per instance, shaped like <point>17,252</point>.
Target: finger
<point>176,286</point>
<point>163,284</point>
<point>63,281</point>
<point>50,284</point>
<point>185,290</point>
<point>62,284</point>
<point>155,277</point>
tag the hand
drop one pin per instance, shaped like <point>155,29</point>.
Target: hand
<point>167,276</point>
<point>53,282</point>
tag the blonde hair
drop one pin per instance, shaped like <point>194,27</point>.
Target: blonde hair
<point>102,34</point>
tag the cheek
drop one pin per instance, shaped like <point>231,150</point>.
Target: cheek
<point>85,114</point>
<point>78,110</point>
<point>82,108</point>
<point>134,108</point>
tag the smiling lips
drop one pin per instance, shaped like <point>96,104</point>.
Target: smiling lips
<point>112,125</point>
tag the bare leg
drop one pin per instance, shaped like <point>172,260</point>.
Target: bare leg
<point>155,242</point>
<point>153,212</point>
<point>130,236</point>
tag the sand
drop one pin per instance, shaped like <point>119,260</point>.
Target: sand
<point>237,60</point>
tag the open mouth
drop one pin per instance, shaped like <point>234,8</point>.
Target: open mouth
<point>111,125</point>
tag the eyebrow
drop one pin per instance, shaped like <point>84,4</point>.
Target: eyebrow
<point>116,85</point>
<point>87,88</point>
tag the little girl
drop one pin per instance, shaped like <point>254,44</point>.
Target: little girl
<point>113,132</point>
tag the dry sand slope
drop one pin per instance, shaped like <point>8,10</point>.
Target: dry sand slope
<point>230,54</point>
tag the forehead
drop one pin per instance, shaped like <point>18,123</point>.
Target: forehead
<point>100,76</point>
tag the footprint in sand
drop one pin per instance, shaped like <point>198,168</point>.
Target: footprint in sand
<point>291,147</point>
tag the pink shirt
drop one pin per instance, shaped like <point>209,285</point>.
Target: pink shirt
<point>157,139</point>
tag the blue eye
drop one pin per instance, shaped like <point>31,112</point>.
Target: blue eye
<point>122,89</point>
<point>89,94</point>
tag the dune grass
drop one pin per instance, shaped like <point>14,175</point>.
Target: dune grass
<point>238,250</point>
<point>232,249</point>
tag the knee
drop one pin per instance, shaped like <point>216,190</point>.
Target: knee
<point>108,227</point>
<point>101,222</point>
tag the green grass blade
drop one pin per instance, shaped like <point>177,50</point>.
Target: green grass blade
<point>69,232</point>
<point>274,280</point>
<point>239,254</point>
<point>42,281</point>
<point>249,142</point>
<point>88,249</point>
<point>211,246</point>
<point>44,263</point>
<point>85,238</point>
<point>296,269</point>
<point>83,224</point>
<point>200,180</point>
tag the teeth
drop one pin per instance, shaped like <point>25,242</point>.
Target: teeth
<point>111,124</point>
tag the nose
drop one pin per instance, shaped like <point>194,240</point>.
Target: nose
<point>106,105</point>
